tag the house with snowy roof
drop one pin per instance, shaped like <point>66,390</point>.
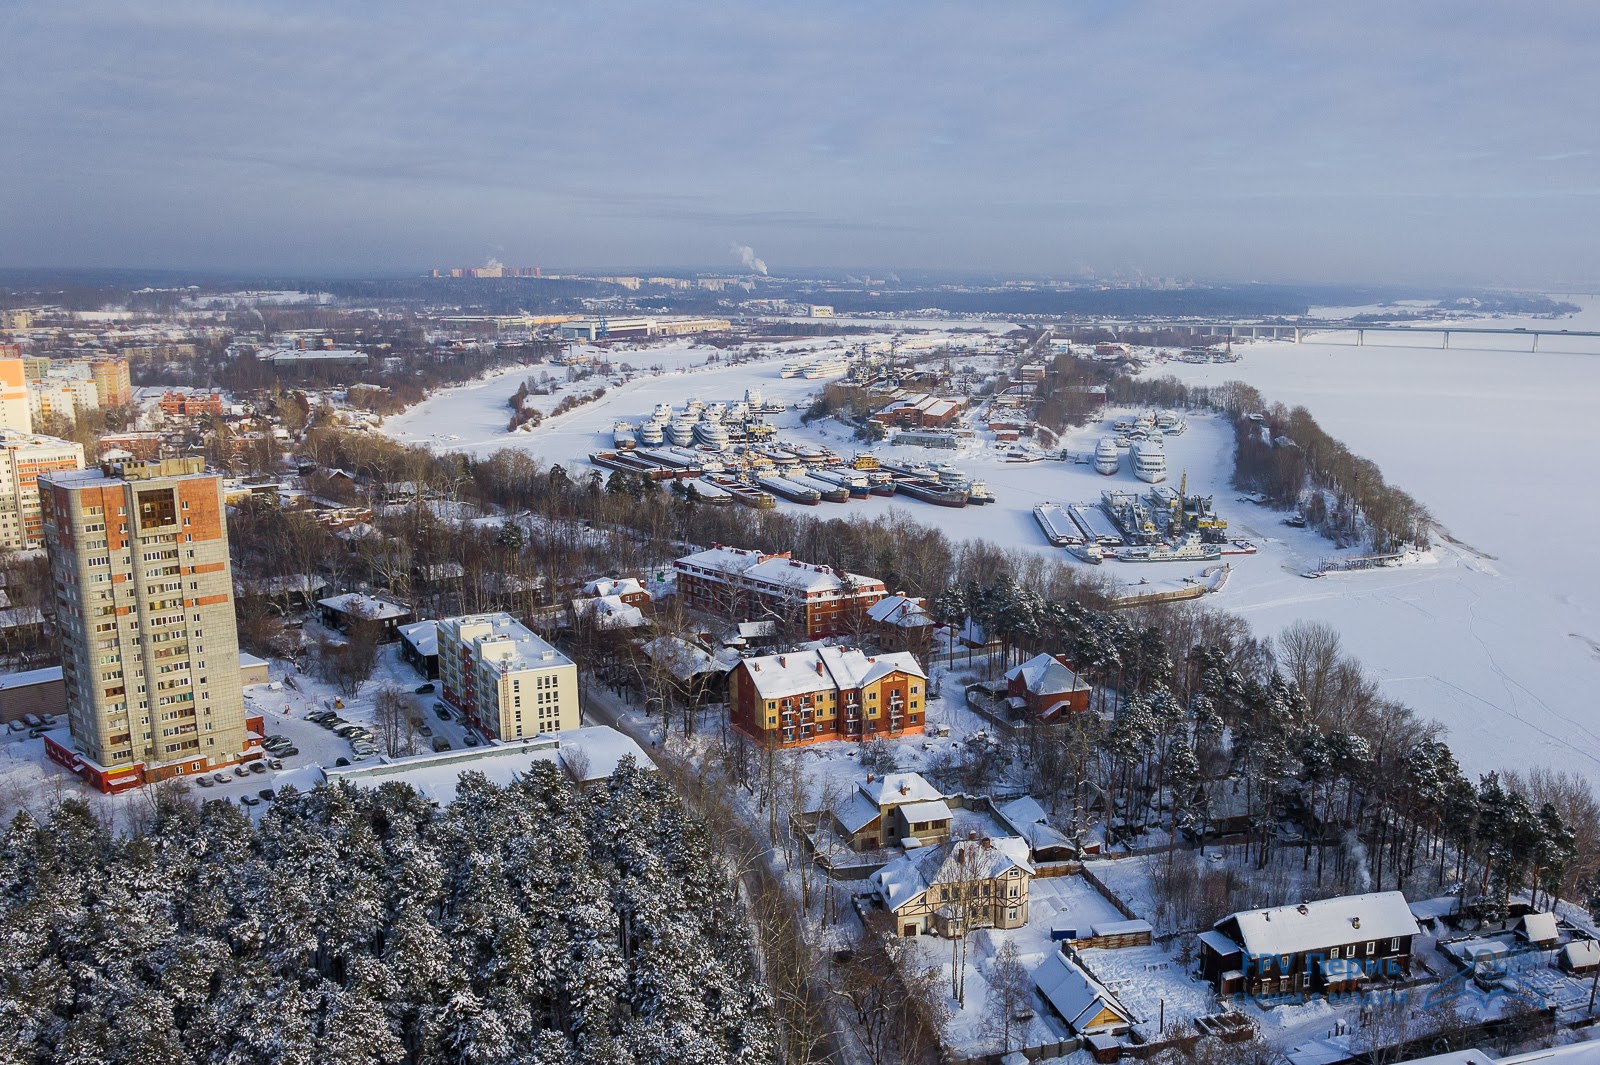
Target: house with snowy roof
<point>955,887</point>
<point>628,589</point>
<point>1047,688</point>
<point>887,811</point>
<point>1027,819</point>
<point>1292,949</point>
<point>1086,1005</point>
<point>608,612</point>
<point>903,622</point>
<point>827,693</point>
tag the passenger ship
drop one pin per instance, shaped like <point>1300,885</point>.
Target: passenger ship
<point>1149,460</point>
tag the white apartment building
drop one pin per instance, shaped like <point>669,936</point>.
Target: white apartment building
<point>503,679</point>
<point>23,457</point>
<point>66,396</point>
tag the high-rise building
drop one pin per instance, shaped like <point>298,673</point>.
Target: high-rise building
<point>64,396</point>
<point>112,381</point>
<point>504,679</point>
<point>23,457</point>
<point>144,604</point>
<point>16,412</point>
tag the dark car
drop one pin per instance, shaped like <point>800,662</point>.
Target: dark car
<point>268,794</point>
<point>341,761</point>
<point>443,714</point>
<point>249,800</point>
<point>289,752</point>
<point>424,689</point>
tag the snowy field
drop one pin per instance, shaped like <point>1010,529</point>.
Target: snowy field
<point>1501,640</point>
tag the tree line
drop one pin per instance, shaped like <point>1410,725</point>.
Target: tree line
<point>541,923</point>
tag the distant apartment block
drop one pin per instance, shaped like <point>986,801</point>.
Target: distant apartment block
<point>64,397</point>
<point>504,680</point>
<point>23,458</point>
<point>595,329</point>
<point>760,586</point>
<point>193,402</point>
<point>16,410</point>
<point>144,601</point>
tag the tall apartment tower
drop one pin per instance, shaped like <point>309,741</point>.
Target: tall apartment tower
<point>144,603</point>
<point>504,680</point>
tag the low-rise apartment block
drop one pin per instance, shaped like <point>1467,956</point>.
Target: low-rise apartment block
<point>503,679</point>
<point>829,693</point>
<point>761,586</point>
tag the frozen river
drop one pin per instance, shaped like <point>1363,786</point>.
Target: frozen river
<point>1499,640</point>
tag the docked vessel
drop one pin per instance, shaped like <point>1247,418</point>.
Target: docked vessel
<point>1088,552</point>
<point>705,491</point>
<point>744,493</point>
<point>662,413</point>
<point>931,491</point>
<point>854,481</point>
<point>1191,550</point>
<point>880,482</point>
<point>633,462</point>
<point>828,366</point>
<point>1149,460</point>
<point>711,434</point>
<point>650,434</point>
<point>681,431</point>
<point>793,491</point>
<point>1107,459</point>
<point>685,458</point>
<point>978,492</point>
<point>795,367</point>
<point>828,490</point>
<point>623,435</point>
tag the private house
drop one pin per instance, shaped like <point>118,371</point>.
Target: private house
<point>829,693</point>
<point>1539,930</point>
<point>1046,842</point>
<point>607,612</point>
<point>1046,688</point>
<point>697,676</point>
<point>1087,1006</point>
<point>626,589</point>
<point>903,623</point>
<point>342,611</point>
<point>1581,957</point>
<point>1308,948</point>
<point>419,646</point>
<point>889,810</point>
<point>732,582</point>
<point>956,887</point>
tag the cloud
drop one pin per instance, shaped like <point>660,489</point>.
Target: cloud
<point>1035,136</point>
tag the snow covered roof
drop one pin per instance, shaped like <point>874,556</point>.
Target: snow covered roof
<point>1581,952</point>
<point>1325,923</point>
<point>609,612</point>
<point>855,813</point>
<point>434,776</point>
<point>925,811</point>
<point>683,659</point>
<point>800,672</point>
<point>1076,995</point>
<point>795,576</point>
<point>613,586</point>
<point>370,606</point>
<point>1027,819</point>
<point>1120,928</point>
<point>422,635</point>
<point>1219,943</point>
<point>724,560</point>
<point>1046,675</point>
<point>899,882</point>
<point>29,677</point>
<point>892,788</point>
<point>900,610</point>
<point>1539,927</point>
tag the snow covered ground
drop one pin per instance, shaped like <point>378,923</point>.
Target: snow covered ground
<point>1501,640</point>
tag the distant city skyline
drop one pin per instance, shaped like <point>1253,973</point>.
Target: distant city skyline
<point>1428,143</point>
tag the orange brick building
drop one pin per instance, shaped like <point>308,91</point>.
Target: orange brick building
<point>191,402</point>
<point>731,581</point>
<point>830,693</point>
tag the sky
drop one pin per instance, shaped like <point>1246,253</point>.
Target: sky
<point>1351,141</point>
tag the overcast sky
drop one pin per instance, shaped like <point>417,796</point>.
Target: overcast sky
<point>1393,141</point>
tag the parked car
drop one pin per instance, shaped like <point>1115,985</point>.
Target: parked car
<point>444,715</point>
<point>33,720</point>
<point>268,794</point>
<point>441,744</point>
<point>425,689</point>
<point>205,782</point>
<point>17,725</point>
<point>425,730</point>
<point>273,763</point>
<point>341,761</point>
<point>289,752</point>
<point>270,740</point>
<point>220,778</point>
<point>249,800</point>
<point>35,733</point>
<point>258,767</point>
<point>472,741</point>
<point>240,771</point>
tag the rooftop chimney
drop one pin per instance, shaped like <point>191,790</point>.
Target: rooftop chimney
<point>985,844</point>
<point>871,777</point>
<point>905,789</point>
